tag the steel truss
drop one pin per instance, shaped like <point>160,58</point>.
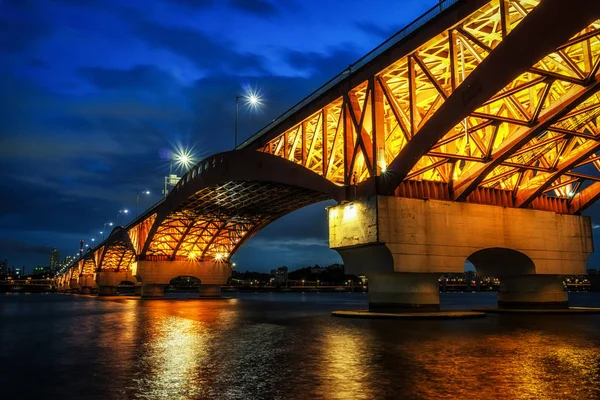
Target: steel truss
<point>535,138</point>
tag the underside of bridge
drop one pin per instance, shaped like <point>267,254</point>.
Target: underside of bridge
<point>215,221</point>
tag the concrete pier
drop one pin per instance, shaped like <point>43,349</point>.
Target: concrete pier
<point>152,290</point>
<point>404,292</point>
<point>403,245</point>
<point>156,275</point>
<point>532,292</point>
<point>209,291</point>
<point>109,281</point>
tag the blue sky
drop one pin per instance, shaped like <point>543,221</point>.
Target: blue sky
<point>94,91</point>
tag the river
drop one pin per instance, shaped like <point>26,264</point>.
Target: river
<point>283,346</point>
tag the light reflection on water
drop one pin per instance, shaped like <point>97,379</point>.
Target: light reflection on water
<point>287,346</point>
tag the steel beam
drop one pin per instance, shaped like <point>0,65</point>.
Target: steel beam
<point>558,21</point>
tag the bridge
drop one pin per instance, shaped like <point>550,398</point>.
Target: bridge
<point>471,134</point>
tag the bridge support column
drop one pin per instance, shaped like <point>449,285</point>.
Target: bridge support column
<point>74,285</point>
<point>87,284</point>
<point>107,290</point>
<point>152,291</point>
<point>532,292</point>
<point>109,281</point>
<point>402,244</point>
<point>155,275</point>
<point>209,291</point>
<point>403,292</point>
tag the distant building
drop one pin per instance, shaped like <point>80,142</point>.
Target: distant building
<point>3,268</point>
<point>279,276</point>
<point>40,272</point>
<point>54,260</point>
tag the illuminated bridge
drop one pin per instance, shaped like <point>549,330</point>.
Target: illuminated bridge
<point>473,133</point>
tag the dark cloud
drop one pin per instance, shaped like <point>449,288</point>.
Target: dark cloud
<point>377,30</point>
<point>194,4</point>
<point>262,8</point>
<point>206,52</point>
<point>138,77</point>
<point>326,64</point>
<point>21,27</point>
<point>17,246</point>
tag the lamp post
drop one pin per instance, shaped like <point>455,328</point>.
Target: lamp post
<point>104,229</point>
<point>123,211</point>
<point>183,159</point>
<point>137,200</point>
<point>252,100</point>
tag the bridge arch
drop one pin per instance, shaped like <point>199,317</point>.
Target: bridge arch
<point>224,200</point>
<point>501,261</point>
<point>117,253</point>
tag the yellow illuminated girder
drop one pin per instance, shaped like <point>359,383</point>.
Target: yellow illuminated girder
<point>88,267</point>
<point>117,257</point>
<point>524,140</point>
<point>200,237</point>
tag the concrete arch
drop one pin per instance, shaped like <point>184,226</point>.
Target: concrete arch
<point>500,261</point>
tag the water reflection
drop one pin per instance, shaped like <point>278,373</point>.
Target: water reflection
<point>345,363</point>
<point>276,348</point>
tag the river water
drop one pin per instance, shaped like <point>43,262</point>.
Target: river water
<point>280,346</point>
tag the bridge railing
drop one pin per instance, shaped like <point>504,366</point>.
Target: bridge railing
<point>199,168</point>
<point>361,62</point>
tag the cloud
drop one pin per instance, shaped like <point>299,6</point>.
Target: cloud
<point>146,77</point>
<point>377,30</point>
<point>21,26</point>
<point>194,4</point>
<point>15,245</point>
<point>216,56</point>
<point>327,64</point>
<point>262,8</point>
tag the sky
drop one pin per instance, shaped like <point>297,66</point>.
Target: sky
<point>95,93</point>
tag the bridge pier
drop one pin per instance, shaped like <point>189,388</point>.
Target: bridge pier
<point>87,284</point>
<point>109,281</point>
<point>74,285</point>
<point>403,246</point>
<point>532,292</point>
<point>402,292</point>
<point>209,291</point>
<point>152,290</point>
<point>155,275</point>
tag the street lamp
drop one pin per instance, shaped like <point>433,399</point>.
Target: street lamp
<point>104,230</point>
<point>252,101</point>
<point>123,211</point>
<point>137,200</point>
<point>184,159</point>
